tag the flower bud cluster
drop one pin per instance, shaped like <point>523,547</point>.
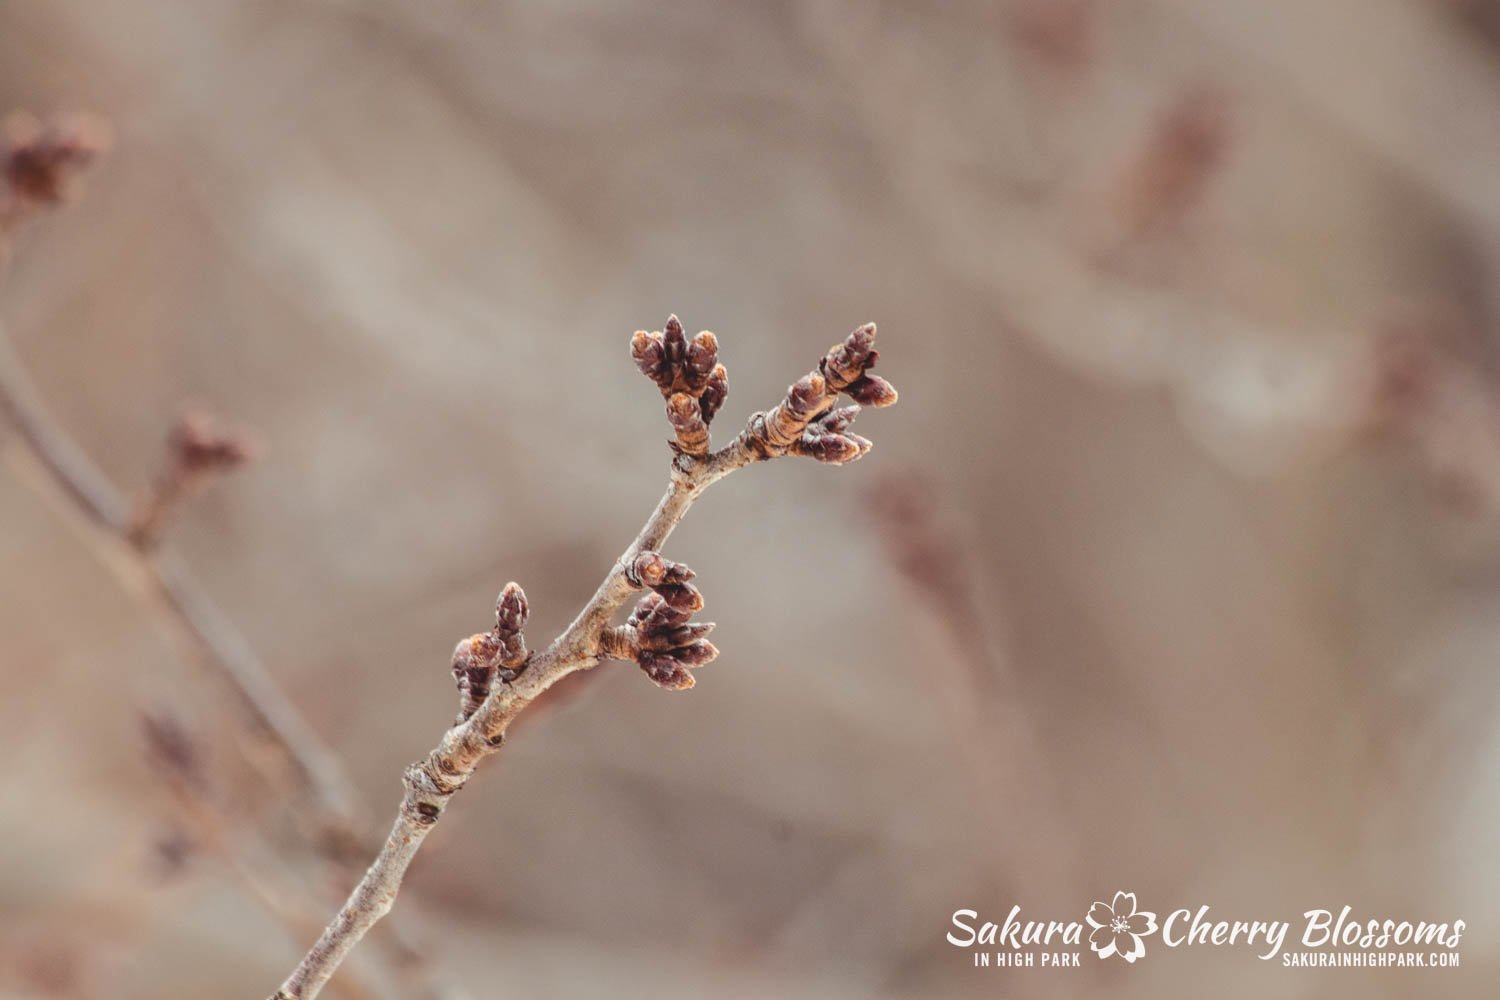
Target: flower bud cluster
<point>805,422</point>
<point>690,378</point>
<point>659,635</point>
<point>501,652</point>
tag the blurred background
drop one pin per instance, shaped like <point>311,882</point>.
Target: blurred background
<point>1176,570</point>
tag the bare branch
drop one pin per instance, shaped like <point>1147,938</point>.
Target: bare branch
<point>658,636</point>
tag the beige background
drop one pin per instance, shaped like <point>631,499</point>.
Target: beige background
<point>1243,654</point>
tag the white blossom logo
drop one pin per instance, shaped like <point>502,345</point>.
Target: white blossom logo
<point>1119,927</point>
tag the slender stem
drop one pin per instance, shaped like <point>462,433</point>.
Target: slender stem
<point>68,466</point>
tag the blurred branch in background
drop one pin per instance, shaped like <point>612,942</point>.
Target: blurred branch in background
<point>41,168</point>
<point>993,726</point>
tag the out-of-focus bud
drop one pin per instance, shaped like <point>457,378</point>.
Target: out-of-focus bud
<point>199,449</point>
<point>42,163</point>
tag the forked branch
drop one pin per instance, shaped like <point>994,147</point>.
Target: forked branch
<point>659,635</point>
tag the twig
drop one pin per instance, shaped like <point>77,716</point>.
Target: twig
<point>658,637</point>
<point>996,737</point>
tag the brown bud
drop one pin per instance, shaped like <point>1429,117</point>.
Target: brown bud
<point>666,671</point>
<point>835,421</point>
<point>684,634</point>
<point>474,666</point>
<point>682,596</point>
<point>702,357</point>
<point>696,653</point>
<point>675,343</point>
<point>658,636</point>
<point>804,395</point>
<point>41,164</point>
<point>672,637</point>
<point>643,607</point>
<point>199,444</point>
<point>653,613</point>
<point>805,400</point>
<point>511,612</point>
<point>687,420</point>
<point>714,393</point>
<point>650,357</point>
<point>649,569</point>
<point>511,609</point>
<point>872,390</point>
<point>198,450</point>
<point>835,449</point>
<point>846,362</point>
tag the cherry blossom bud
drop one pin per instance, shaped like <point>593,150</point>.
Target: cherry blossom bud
<point>671,637</point>
<point>835,421</point>
<point>649,569</point>
<point>835,449</point>
<point>650,357</point>
<point>696,653</point>
<point>872,390</point>
<point>681,596</point>
<point>714,393</point>
<point>511,612</point>
<point>846,362</point>
<point>474,667</point>
<point>675,343</point>
<point>666,671</point>
<point>686,369</point>
<point>687,421</point>
<point>702,358</point>
<point>805,399</point>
